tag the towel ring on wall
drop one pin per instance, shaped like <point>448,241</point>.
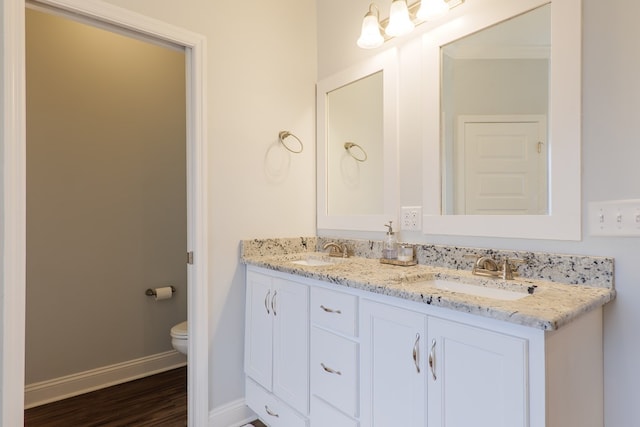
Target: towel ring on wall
<point>284,134</point>
<point>349,145</point>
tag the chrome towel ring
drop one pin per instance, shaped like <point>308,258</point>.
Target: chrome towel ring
<point>349,145</point>
<point>284,134</point>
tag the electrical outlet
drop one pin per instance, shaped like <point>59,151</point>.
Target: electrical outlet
<point>411,218</point>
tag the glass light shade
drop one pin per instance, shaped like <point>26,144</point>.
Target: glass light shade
<point>370,37</point>
<point>399,20</point>
<point>432,9</point>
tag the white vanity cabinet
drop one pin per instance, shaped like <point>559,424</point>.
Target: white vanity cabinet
<point>422,370</point>
<point>382,361</point>
<point>277,349</point>
<point>426,366</point>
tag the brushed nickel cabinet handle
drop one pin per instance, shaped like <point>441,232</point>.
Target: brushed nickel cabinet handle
<point>266,299</point>
<point>273,303</point>
<point>329,370</point>
<point>432,359</point>
<point>270,412</point>
<point>330,310</point>
<point>416,353</point>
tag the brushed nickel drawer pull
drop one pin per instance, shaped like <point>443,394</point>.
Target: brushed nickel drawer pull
<point>270,412</point>
<point>266,299</point>
<point>273,303</point>
<point>330,310</point>
<point>329,370</point>
<point>432,359</point>
<point>416,353</point>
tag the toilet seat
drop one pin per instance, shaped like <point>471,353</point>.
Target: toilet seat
<point>179,331</point>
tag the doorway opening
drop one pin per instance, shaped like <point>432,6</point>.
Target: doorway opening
<point>106,206</point>
<point>14,193</point>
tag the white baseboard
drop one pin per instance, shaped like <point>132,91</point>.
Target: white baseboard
<point>37,394</point>
<point>233,414</point>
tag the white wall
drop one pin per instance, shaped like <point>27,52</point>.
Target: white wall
<point>261,77</point>
<point>610,152</point>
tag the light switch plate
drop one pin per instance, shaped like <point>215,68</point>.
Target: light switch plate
<point>614,218</point>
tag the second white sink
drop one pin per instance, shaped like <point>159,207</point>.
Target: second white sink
<point>312,262</point>
<point>478,290</point>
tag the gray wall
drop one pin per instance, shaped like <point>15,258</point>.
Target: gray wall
<point>610,153</point>
<point>106,196</point>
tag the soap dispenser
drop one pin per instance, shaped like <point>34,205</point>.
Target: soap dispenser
<point>390,249</point>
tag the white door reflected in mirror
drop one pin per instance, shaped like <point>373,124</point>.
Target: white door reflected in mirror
<point>500,166</point>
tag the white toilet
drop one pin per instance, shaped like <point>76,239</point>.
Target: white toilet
<point>180,337</point>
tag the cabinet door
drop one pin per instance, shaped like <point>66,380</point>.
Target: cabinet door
<point>291,343</point>
<point>476,378</point>
<point>393,383</point>
<point>258,342</point>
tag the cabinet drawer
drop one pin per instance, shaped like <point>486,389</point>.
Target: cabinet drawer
<point>270,409</point>
<point>324,415</point>
<point>334,370</point>
<point>334,310</point>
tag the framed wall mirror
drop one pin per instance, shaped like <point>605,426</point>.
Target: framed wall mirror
<point>357,146</point>
<point>502,108</point>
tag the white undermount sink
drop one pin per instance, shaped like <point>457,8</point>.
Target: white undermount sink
<point>478,290</point>
<point>313,262</point>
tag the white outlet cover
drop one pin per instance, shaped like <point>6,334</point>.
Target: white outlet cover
<point>411,218</point>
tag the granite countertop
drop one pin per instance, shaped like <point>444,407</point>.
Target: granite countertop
<point>549,307</point>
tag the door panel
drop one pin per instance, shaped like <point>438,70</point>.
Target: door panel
<point>290,305</point>
<point>258,329</point>
<point>393,382</point>
<point>480,379</point>
<point>503,168</point>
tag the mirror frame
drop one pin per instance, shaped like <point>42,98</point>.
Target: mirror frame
<point>387,62</point>
<point>564,219</point>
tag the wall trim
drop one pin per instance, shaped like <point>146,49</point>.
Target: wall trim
<point>55,389</point>
<point>232,414</point>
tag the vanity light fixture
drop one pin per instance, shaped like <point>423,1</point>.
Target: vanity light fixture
<point>371,37</point>
<point>402,20</point>
<point>430,10</point>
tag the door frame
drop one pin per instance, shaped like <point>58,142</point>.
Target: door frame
<point>13,202</point>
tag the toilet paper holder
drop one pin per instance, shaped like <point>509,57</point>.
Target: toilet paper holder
<point>152,292</point>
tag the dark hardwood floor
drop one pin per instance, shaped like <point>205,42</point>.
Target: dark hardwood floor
<point>158,400</point>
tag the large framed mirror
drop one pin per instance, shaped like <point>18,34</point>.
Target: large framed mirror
<point>502,105</point>
<point>357,146</point>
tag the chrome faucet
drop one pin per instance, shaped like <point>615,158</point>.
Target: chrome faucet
<point>337,250</point>
<point>487,266</point>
